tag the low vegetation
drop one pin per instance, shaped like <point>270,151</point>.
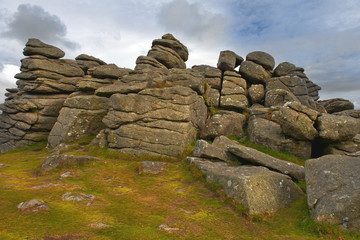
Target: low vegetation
<point>134,205</point>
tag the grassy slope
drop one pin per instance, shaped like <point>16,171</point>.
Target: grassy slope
<point>135,205</point>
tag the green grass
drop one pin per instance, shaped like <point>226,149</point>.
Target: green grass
<point>135,205</point>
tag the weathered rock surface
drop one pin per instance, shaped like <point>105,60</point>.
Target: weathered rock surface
<point>284,68</point>
<point>224,123</point>
<point>297,124</point>
<point>85,62</point>
<point>350,113</point>
<point>170,116</point>
<point>228,60</point>
<point>81,116</point>
<point>257,188</point>
<point>64,160</point>
<point>256,93</point>
<point>333,190</point>
<point>168,57</point>
<point>186,78</point>
<point>36,47</point>
<point>253,72</point>
<point>336,105</point>
<point>262,58</point>
<point>77,197</point>
<point>203,149</point>
<point>268,133</point>
<point>234,91</point>
<point>337,128</point>
<point>255,157</point>
<point>212,75</point>
<point>169,41</point>
<point>108,71</point>
<point>34,205</point>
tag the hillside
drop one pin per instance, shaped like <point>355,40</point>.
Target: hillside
<point>129,205</point>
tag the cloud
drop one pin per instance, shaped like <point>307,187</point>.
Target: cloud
<point>7,80</point>
<point>192,21</point>
<point>31,21</point>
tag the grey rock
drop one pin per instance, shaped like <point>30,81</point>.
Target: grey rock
<point>67,68</point>
<point>186,78</point>
<point>89,84</point>
<point>262,58</point>
<point>212,97</point>
<point>170,116</point>
<point>168,57</point>
<point>284,68</point>
<point>350,113</point>
<point>227,60</point>
<point>204,149</point>
<point>36,47</point>
<point>267,133</point>
<point>337,128</point>
<point>212,75</point>
<point>99,225</point>
<point>256,157</point>
<point>253,72</point>
<point>108,71</point>
<point>234,91</point>
<point>151,167</point>
<point>336,105</point>
<point>64,160</point>
<point>34,205</point>
<point>257,93</point>
<point>85,62</point>
<point>77,197</point>
<point>333,187</point>
<point>170,41</point>
<point>146,62</point>
<point>297,124</point>
<point>278,97</point>
<point>257,188</point>
<point>224,123</point>
<point>166,228</point>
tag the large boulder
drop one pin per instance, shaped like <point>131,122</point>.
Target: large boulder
<point>81,116</point>
<point>253,72</point>
<point>67,68</point>
<point>228,60</point>
<point>333,190</point>
<point>257,93</point>
<point>169,116</point>
<point>108,71</point>
<point>36,47</point>
<point>170,41</point>
<point>149,63</point>
<point>337,128</point>
<point>86,62</point>
<point>278,97</point>
<point>212,75</point>
<point>336,105</point>
<point>203,149</point>
<point>262,58</point>
<point>297,124</point>
<point>234,91</point>
<point>187,78</point>
<point>224,123</point>
<point>168,57</point>
<point>253,156</point>
<point>284,68</point>
<point>268,133</point>
<point>257,188</point>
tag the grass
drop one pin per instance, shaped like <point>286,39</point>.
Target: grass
<point>135,205</point>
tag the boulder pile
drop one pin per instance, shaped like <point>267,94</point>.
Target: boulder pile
<point>161,106</point>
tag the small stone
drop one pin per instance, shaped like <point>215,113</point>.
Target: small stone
<point>2,165</point>
<point>166,228</point>
<point>46,185</point>
<point>77,197</point>
<point>33,205</point>
<point>99,225</point>
<point>65,175</point>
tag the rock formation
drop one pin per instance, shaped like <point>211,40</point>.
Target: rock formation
<point>161,106</point>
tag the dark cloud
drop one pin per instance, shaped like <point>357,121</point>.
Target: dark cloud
<point>191,20</point>
<point>31,21</point>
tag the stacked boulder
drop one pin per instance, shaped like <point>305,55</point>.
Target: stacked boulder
<point>83,111</point>
<point>31,110</point>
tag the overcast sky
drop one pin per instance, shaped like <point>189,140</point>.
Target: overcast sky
<point>320,35</point>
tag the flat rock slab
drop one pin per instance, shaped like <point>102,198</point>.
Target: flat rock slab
<point>65,160</point>
<point>258,158</point>
<point>77,197</point>
<point>333,190</point>
<point>151,167</point>
<point>257,188</point>
<point>34,205</point>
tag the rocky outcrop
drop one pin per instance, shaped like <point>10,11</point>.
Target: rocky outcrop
<point>62,160</point>
<point>36,47</point>
<point>336,105</point>
<point>233,92</point>
<point>333,189</point>
<point>257,188</point>
<point>170,116</point>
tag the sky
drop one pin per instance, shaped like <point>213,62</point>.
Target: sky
<point>321,36</point>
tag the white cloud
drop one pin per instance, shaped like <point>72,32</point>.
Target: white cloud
<point>7,80</point>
